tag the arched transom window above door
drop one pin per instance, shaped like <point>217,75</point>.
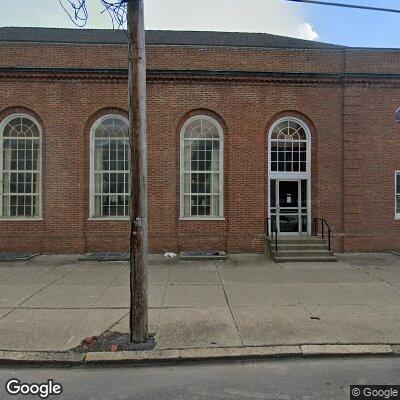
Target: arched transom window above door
<point>289,146</point>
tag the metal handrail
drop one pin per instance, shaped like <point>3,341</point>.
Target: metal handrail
<point>323,223</point>
<point>274,229</point>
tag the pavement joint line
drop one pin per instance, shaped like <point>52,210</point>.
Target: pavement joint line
<point>80,322</point>
<point>116,322</point>
<point>40,290</point>
<point>165,293</point>
<point>393,284</point>
<point>371,306</point>
<point>192,284</point>
<point>379,279</point>
<point>73,329</point>
<point>227,303</point>
<point>197,354</point>
<point>397,321</point>
<point>326,328</point>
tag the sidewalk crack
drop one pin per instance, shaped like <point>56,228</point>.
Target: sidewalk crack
<point>40,290</point>
<point>227,302</point>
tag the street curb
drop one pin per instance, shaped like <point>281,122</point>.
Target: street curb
<point>200,354</point>
<point>40,358</point>
<point>344,350</point>
<point>197,354</point>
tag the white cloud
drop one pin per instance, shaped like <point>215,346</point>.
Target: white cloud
<point>306,31</point>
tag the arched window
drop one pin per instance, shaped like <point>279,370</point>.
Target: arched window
<point>20,167</point>
<point>201,168</point>
<point>288,147</point>
<point>110,163</point>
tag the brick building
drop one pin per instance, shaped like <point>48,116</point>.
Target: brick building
<point>241,127</point>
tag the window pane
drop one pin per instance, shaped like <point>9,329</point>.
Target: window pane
<point>398,183</point>
<point>273,192</point>
<point>201,183</point>
<point>304,223</point>
<point>304,193</point>
<point>194,182</point>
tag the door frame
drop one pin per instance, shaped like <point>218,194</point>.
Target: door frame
<point>291,176</point>
<point>299,213</point>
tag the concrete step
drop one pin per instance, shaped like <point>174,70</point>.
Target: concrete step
<point>300,249</point>
<point>304,259</point>
<point>302,253</point>
<point>297,240</point>
<point>300,246</point>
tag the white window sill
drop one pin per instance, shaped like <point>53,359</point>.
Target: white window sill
<point>108,219</point>
<point>25,219</point>
<point>397,217</point>
<point>201,219</point>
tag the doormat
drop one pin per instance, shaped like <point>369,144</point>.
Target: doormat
<point>14,256</point>
<point>106,256</point>
<point>203,255</point>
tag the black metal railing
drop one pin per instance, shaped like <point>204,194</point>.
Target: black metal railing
<point>323,224</point>
<point>273,233</point>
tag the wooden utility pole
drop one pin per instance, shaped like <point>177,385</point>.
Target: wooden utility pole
<point>137,135</point>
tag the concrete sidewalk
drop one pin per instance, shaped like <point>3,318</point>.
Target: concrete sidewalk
<point>51,303</point>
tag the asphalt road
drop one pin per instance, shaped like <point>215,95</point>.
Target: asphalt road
<point>320,379</point>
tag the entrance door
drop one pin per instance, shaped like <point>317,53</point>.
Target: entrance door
<point>288,206</point>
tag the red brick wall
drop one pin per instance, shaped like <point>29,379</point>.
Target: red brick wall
<point>176,58</point>
<point>372,148</point>
<point>355,144</point>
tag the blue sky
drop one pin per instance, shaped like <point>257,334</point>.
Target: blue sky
<point>356,27</point>
<point>328,24</point>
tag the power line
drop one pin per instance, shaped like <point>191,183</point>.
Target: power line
<point>357,6</point>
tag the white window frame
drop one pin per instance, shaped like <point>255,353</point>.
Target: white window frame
<point>396,211</point>
<point>291,175</point>
<point>221,171</point>
<point>3,123</point>
<point>91,177</point>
